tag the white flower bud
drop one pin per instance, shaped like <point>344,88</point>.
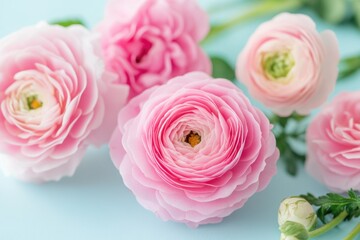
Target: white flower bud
<point>298,210</point>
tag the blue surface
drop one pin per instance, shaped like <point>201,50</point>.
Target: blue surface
<point>94,204</point>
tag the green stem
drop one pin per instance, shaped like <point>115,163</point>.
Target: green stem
<point>259,9</point>
<point>353,233</point>
<point>330,225</point>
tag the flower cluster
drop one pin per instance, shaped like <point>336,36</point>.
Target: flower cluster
<point>62,88</point>
<point>191,148</point>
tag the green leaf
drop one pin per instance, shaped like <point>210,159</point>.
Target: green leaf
<point>291,167</point>
<point>292,159</point>
<point>68,22</point>
<point>344,73</point>
<point>356,9</point>
<point>334,11</point>
<point>349,66</point>
<point>333,204</point>
<point>222,69</point>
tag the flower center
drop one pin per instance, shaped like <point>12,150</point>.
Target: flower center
<point>277,65</point>
<point>143,51</point>
<point>193,138</point>
<point>33,102</point>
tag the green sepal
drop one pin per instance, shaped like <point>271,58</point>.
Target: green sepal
<point>68,22</point>
<point>294,229</point>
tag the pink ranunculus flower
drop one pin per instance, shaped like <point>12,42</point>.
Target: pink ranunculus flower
<point>288,66</point>
<point>147,42</point>
<point>333,140</point>
<point>193,150</point>
<point>51,87</point>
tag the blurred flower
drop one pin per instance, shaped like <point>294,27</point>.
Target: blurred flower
<point>333,140</point>
<point>147,42</point>
<point>50,101</point>
<point>288,66</point>
<point>193,150</point>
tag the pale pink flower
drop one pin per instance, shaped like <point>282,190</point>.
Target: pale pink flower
<point>288,66</point>
<point>147,42</point>
<point>333,140</point>
<point>51,102</point>
<point>193,150</point>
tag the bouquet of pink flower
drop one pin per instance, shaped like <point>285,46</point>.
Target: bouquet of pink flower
<point>187,142</point>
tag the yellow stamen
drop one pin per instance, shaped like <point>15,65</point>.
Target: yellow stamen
<point>193,139</point>
<point>34,102</point>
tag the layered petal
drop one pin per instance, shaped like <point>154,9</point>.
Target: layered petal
<point>288,66</point>
<point>193,150</point>
<point>147,42</point>
<point>333,139</point>
<point>51,100</point>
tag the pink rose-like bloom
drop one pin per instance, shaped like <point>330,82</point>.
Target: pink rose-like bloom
<point>288,66</point>
<point>147,42</point>
<point>333,140</point>
<point>51,102</point>
<point>193,150</point>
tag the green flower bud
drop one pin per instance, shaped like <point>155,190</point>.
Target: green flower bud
<point>294,230</point>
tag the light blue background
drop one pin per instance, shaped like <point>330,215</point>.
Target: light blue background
<point>94,204</point>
